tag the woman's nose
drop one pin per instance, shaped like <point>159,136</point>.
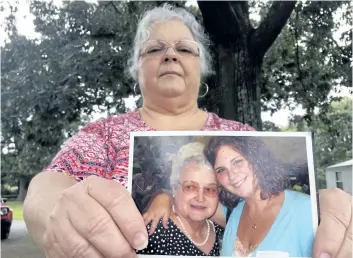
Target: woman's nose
<point>232,175</point>
<point>200,196</point>
<point>170,55</point>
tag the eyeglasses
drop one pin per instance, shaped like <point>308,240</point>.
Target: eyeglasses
<point>157,48</point>
<point>189,187</point>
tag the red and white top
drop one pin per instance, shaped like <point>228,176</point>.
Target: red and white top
<point>102,148</point>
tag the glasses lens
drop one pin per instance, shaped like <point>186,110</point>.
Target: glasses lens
<point>190,187</point>
<point>211,191</point>
<point>194,188</point>
<point>153,48</point>
<point>158,48</point>
<point>187,47</point>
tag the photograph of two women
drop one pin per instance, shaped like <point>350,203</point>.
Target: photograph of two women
<point>241,194</point>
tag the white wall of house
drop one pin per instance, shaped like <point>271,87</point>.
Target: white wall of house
<point>343,174</point>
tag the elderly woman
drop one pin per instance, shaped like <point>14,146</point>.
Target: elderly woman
<point>195,191</point>
<point>264,214</point>
<point>70,213</point>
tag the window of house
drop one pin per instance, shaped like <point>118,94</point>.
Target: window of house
<point>339,183</point>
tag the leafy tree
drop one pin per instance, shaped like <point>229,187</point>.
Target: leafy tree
<point>248,73</point>
<point>52,85</point>
<point>332,135</point>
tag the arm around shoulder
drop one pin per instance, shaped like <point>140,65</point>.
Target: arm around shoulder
<point>219,217</point>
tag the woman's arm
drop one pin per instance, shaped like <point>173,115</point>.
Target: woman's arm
<point>219,217</point>
<point>160,207</point>
<point>334,234</point>
<point>43,193</point>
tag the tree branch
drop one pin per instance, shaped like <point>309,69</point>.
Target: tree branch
<point>223,14</point>
<point>271,26</point>
<point>115,8</point>
<point>241,13</point>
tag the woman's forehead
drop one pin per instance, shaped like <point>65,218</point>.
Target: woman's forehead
<point>197,171</point>
<point>226,152</point>
<point>169,31</point>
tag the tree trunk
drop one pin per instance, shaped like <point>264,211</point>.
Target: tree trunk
<point>238,77</point>
<point>239,50</point>
<point>23,186</point>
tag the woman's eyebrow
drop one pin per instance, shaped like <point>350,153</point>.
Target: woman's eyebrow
<point>238,157</point>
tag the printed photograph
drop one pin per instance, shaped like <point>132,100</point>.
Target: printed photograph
<point>233,194</point>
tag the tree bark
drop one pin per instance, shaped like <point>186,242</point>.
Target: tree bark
<point>239,50</point>
<point>22,187</point>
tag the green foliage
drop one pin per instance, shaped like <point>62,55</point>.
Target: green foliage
<point>332,129</point>
<point>306,62</point>
<point>52,85</point>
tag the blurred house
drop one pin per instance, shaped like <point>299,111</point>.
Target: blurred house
<point>340,176</point>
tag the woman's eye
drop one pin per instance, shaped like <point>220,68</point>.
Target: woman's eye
<point>220,170</point>
<point>186,50</point>
<point>210,190</point>
<point>153,50</point>
<point>236,162</point>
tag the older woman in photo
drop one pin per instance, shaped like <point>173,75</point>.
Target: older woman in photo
<point>79,206</point>
<point>268,217</point>
<point>195,200</point>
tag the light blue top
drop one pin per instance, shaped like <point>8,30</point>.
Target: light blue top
<point>291,232</point>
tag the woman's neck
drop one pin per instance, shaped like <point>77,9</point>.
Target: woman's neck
<point>193,228</point>
<point>256,204</point>
<point>182,118</point>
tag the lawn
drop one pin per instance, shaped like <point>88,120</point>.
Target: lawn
<point>17,208</point>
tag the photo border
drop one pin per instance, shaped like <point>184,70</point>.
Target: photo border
<point>309,142</point>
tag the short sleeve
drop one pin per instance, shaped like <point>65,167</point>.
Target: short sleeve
<point>84,154</point>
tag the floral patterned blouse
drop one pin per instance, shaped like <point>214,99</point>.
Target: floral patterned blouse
<point>101,148</point>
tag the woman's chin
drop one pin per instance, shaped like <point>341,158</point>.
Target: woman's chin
<point>171,90</point>
<point>196,218</point>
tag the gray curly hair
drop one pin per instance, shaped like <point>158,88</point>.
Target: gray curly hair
<point>191,152</point>
<point>165,13</point>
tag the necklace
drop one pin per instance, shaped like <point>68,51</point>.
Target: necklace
<point>254,226</point>
<point>186,233</point>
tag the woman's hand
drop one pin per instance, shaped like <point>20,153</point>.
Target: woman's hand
<point>334,234</point>
<point>160,207</point>
<point>94,218</point>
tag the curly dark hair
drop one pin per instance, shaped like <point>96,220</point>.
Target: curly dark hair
<point>268,169</point>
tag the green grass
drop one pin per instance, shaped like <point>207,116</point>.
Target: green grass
<point>17,208</point>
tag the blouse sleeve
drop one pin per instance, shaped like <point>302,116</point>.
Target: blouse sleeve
<point>87,153</point>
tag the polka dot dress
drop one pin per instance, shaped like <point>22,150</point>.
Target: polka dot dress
<point>172,241</point>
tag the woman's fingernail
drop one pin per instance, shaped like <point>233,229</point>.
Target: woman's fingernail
<point>325,255</point>
<point>140,241</point>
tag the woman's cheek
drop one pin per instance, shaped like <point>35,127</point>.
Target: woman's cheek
<point>222,178</point>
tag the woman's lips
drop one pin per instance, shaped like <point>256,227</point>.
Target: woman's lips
<point>197,207</point>
<point>170,73</point>
<point>240,182</point>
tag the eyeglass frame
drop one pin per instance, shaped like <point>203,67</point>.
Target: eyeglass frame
<point>168,45</point>
<point>200,187</point>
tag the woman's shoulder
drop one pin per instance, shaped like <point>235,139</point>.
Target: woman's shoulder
<point>218,229</point>
<point>220,124</point>
<point>298,200</point>
<point>296,195</point>
<point>129,121</point>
